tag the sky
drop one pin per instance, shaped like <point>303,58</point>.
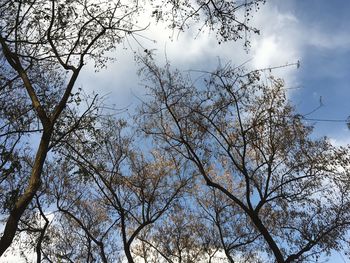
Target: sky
<point>314,32</point>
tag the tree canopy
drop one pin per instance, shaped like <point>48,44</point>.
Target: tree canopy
<point>218,168</point>
<point>252,149</point>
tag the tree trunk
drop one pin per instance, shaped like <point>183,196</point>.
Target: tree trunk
<point>24,200</point>
<point>128,254</point>
<point>268,238</point>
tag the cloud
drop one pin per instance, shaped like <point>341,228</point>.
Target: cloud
<point>277,45</point>
<point>285,38</point>
<point>319,39</point>
<point>340,141</point>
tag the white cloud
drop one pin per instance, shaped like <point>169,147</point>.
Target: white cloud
<point>316,37</point>
<point>277,45</point>
<point>340,141</point>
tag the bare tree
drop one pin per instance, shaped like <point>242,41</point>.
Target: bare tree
<point>229,227</point>
<point>248,143</point>
<point>111,192</point>
<point>40,40</point>
<point>44,46</point>
<point>179,237</point>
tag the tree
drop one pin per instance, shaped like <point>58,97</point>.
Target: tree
<point>37,42</point>
<point>175,238</point>
<point>231,233</point>
<point>253,149</point>
<point>45,45</point>
<point>108,192</point>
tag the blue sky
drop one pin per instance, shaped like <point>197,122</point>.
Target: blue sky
<point>326,65</point>
<point>314,32</point>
